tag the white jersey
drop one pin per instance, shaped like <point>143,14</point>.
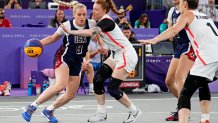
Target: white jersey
<point>203,35</point>
<point>115,39</point>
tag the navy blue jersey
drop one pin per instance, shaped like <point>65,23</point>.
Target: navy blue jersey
<point>182,36</point>
<point>77,45</point>
<point>72,51</point>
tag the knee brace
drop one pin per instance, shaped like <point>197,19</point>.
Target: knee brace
<point>103,73</point>
<point>192,83</point>
<point>204,93</point>
<point>114,90</point>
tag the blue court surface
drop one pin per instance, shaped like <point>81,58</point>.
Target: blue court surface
<point>155,107</point>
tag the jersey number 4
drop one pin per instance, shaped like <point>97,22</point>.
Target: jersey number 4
<point>214,31</point>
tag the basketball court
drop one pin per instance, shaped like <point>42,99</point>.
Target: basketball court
<point>155,108</point>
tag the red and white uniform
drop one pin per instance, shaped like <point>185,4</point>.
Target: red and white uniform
<point>203,35</point>
<point>124,54</point>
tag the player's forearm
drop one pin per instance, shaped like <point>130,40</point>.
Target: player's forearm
<point>48,40</point>
<point>86,32</point>
<point>169,33</point>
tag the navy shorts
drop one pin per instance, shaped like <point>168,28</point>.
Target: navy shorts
<point>74,64</point>
<point>184,49</point>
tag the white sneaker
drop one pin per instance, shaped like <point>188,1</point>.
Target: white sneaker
<point>133,116</point>
<point>99,116</point>
<point>91,92</point>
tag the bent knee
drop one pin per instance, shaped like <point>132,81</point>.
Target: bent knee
<point>169,82</point>
<point>59,88</point>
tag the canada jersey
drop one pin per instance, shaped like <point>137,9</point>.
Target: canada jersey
<point>203,35</point>
<point>115,39</point>
<point>181,37</point>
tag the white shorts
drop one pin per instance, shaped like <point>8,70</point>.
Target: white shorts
<point>208,71</point>
<point>125,59</point>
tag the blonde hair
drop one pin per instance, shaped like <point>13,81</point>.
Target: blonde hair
<point>78,6</point>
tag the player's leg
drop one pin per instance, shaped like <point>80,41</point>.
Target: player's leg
<point>170,78</point>
<point>205,97</point>
<point>90,76</point>
<point>62,76</point>
<point>117,78</point>
<point>103,73</point>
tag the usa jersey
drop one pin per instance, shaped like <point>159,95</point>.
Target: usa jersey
<point>173,15</point>
<point>204,38</point>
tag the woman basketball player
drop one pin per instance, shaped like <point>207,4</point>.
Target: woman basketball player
<point>180,65</point>
<point>205,45</point>
<point>67,64</point>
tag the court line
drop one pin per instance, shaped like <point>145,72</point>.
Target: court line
<point>112,100</point>
<point>61,114</point>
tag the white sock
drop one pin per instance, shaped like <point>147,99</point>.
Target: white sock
<point>35,104</point>
<point>132,108</point>
<point>91,86</point>
<point>50,108</point>
<point>101,108</point>
<point>205,117</point>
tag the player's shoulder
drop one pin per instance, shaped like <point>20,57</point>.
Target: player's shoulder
<point>91,22</point>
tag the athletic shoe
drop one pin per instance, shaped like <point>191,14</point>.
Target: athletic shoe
<point>173,117</point>
<point>8,90</point>
<point>99,116</point>
<point>49,115</point>
<point>207,121</point>
<point>133,116</point>
<point>91,92</point>
<point>28,111</point>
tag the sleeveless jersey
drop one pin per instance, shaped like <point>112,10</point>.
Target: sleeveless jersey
<point>115,39</point>
<point>203,35</point>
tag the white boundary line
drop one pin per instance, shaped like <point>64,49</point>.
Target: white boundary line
<point>156,99</point>
<point>83,114</point>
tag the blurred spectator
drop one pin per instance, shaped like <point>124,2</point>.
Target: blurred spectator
<point>3,21</point>
<point>211,10</point>
<point>37,4</point>
<point>2,3</point>
<point>163,26</point>
<point>202,4</point>
<point>13,4</point>
<point>143,21</point>
<point>58,19</point>
<point>129,34</point>
<point>122,20</point>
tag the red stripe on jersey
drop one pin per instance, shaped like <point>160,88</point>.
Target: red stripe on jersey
<point>124,59</point>
<point>196,44</point>
<point>112,39</point>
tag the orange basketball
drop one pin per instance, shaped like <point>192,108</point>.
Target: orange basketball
<point>33,48</point>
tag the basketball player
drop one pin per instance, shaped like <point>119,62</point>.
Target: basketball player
<point>67,64</point>
<point>205,45</point>
<point>122,61</point>
<point>181,63</point>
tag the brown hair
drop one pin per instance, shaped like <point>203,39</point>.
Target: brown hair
<point>108,5</point>
<point>192,4</point>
